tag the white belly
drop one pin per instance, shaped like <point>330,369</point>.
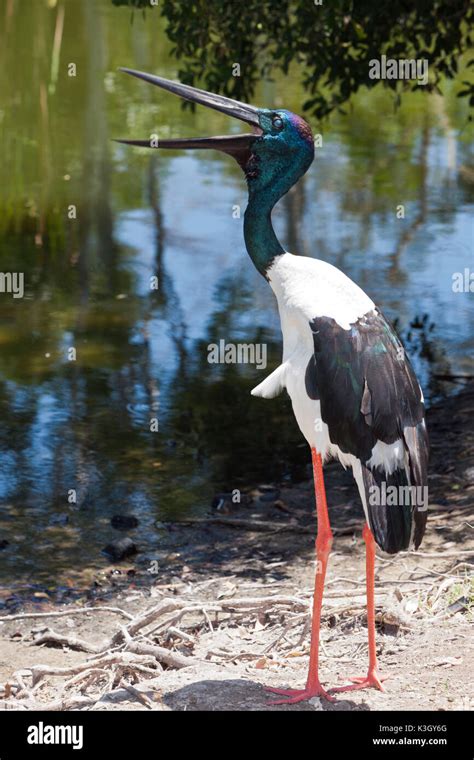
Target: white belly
<point>307,411</point>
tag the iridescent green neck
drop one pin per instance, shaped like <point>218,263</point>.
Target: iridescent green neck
<point>277,161</point>
<point>260,239</point>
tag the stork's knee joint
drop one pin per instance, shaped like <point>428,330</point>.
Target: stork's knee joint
<point>324,541</point>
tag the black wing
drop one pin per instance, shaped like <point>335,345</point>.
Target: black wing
<point>368,392</point>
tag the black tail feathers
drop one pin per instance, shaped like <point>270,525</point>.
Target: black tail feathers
<point>397,511</point>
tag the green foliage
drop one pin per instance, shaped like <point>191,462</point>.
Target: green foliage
<point>333,42</point>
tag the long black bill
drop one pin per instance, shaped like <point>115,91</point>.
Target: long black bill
<point>238,146</point>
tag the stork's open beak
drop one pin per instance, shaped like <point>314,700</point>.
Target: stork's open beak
<point>238,146</point>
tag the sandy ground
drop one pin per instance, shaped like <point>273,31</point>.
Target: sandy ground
<point>247,575</point>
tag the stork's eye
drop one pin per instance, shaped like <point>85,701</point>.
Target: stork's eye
<point>277,122</point>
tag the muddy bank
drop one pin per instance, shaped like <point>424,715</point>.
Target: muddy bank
<point>228,609</point>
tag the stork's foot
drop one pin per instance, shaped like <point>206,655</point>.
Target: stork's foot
<point>371,680</point>
<point>292,696</point>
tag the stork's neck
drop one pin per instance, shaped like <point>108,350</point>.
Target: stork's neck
<point>261,242</point>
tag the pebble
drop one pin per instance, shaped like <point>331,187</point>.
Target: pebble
<point>118,550</point>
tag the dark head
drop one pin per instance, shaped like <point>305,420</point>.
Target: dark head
<point>277,152</point>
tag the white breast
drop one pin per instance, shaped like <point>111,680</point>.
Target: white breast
<point>309,288</point>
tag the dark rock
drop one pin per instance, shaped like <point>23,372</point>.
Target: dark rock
<point>4,543</point>
<point>124,522</point>
<point>120,549</point>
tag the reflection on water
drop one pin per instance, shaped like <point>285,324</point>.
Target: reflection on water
<point>84,425</point>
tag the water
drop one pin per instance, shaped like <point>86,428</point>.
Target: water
<point>84,425</point>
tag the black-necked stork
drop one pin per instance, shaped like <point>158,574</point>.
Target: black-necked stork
<point>354,393</point>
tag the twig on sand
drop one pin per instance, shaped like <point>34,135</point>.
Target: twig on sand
<point>76,702</point>
<point>65,613</point>
<point>446,554</point>
<point>172,632</point>
<point>166,656</point>
<point>257,526</point>
<point>38,672</point>
<point>143,698</point>
<point>266,526</point>
<point>72,642</point>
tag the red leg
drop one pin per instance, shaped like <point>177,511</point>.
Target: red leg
<point>372,678</point>
<point>323,547</point>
